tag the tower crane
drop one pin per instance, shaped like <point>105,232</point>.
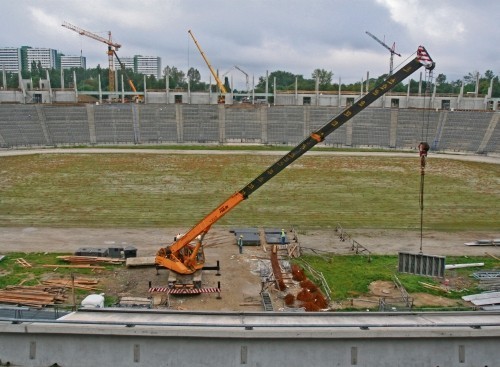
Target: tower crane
<point>112,47</point>
<point>221,85</point>
<point>391,50</point>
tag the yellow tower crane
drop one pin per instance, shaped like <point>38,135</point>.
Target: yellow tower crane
<point>112,47</point>
<point>221,85</point>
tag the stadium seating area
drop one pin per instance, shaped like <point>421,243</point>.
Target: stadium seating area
<point>50,125</point>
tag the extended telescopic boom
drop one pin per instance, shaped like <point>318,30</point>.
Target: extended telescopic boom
<point>170,258</point>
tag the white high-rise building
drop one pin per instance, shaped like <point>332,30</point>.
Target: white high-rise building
<point>148,65</point>
<point>68,62</point>
<point>10,59</point>
<point>47,57</point>
<point>128,62</point>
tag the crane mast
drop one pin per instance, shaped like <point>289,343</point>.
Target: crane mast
<point>391,50</point>
<point>221,86</point>
<point>183,258</point>
<point>112,47</point>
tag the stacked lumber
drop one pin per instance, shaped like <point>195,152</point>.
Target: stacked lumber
<point>79,260</point>
<point>79,283</point>
<point>50,292</point>
<point>35,296</point>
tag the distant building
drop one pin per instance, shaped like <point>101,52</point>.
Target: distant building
<point>68,62</point>
<point>47,58</point>
<point>14,59</point>
<point>128,62</point>
<point>148,65</point>
<point>10,59</point>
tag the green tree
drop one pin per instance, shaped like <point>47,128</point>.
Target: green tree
<point>284,80</point>
<point>324,78</point>
<point>177,78</point>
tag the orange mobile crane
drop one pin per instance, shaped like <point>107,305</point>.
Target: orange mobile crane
<point>112,47</point>
<point>184,257</point>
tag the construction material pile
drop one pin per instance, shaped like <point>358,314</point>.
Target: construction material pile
<point>309,297</point>
<point>90,260</point>
<point>49,293</point>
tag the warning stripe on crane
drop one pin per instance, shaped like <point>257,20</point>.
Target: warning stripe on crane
<point>184,290</point>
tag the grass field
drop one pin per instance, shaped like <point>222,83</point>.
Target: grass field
<point>170,190</point>
<point>338,271</point>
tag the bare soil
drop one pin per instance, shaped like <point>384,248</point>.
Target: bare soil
<point>239,278</point>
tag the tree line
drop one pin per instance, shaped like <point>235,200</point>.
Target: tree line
<point>88,80</point>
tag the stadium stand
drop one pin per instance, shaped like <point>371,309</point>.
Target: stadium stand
<point>386,128</point>
<point>114,124</point>
<point>285,125</point>
<point>463,131</point>
<point>200,123</point>
<point>371,128</point>
<point>415,126</point>
<point>20,127</point>
<point>158,124</point>
<point>67,125</point>
<point>243,125</point>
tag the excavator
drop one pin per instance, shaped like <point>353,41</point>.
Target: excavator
<point>185,256</point>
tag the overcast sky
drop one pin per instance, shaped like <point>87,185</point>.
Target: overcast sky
<point>296,36</point>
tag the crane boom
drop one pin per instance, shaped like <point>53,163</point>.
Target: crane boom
<point>112,47</point>
<point>170,258</point>
<point>246,75</point>
<point>214,74</point>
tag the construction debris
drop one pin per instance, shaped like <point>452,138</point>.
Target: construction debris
<point>434,287</point>
<point>23,263</point>
<point>457,266</point>
<point>140,261</point>
<point>136,302</point>
<point>83,266</point>
<point>488,280</point>
<point>494,242</point>
<point>483,299</point>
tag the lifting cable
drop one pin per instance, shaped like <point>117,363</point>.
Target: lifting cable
<point>423,148</point>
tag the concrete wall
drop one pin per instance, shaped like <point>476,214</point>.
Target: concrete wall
<point>400,100</point>
<point>259,339</point>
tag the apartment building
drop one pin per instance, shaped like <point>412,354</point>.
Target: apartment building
<point>10,59</point>
<point>148,65</point>
<point>47,58</point>
<point>69,62</point>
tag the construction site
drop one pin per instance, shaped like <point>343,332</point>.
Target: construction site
<point>230,290</point>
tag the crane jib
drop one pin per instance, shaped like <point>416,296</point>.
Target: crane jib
<point>331,126</point>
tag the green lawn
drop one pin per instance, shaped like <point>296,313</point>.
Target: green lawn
<point>170,190</point>
<point>350,276</point>
<point>146,190</point>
